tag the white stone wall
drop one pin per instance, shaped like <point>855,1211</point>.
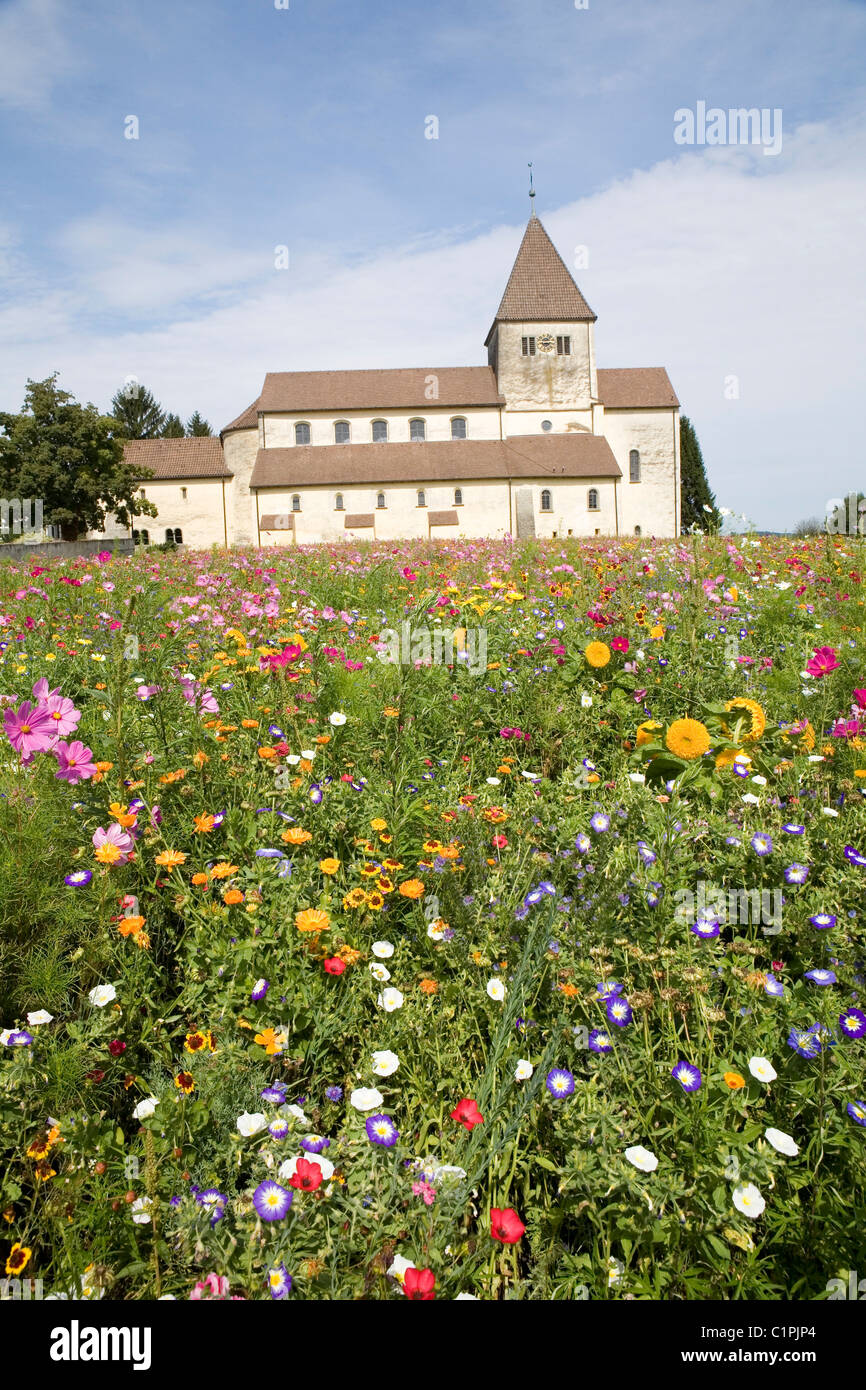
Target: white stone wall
<point>562,421</point>
<point>198,514</point>
<point>239,451</point>
<point>546,382</point>
<point>482,422</point>
<point>488,509</point>
<point>653,503</point>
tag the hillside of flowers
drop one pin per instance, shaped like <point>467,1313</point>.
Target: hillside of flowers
<point>339,964</point>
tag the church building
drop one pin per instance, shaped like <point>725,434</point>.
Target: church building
<point>539,442</point>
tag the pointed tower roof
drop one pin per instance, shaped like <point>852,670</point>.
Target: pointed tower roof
<point>540,287</point>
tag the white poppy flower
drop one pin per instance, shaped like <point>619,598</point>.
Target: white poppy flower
<point>496,989</point>
<point>140,1213</point>
<point>642,1158</point>
<point>299,1115</point>
<point>249,1124</point>
<point>748,1200</point>
<point>102,995</point>
<point>781,1142</point>
<point>308,753</point>
<point>637,777</point>
<point>491,782</point>
<point>385,1063</point>
<point>762,1070</point>
<point>337,719</point>
<point>382,949</point>
<point>145,1108</point>
<point>390,999</point>
<point>40,1016</point>
<point>379,972</point>
<point>366,1098</point>
<point>398,1266</point>
<point>523,1070</point>
<point>465,1298</point>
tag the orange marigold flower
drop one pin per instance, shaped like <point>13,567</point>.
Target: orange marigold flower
<point>203,824</point>
<point>170,859</point>
<point>272,1041</point>
<point>232,896</point>
<point>312,919</point>
<point>687,738</point>
<point>295,835</point>
<point>597,654</point>
<point>329,866</point>
<point>200,758</point>
<point>429,987</point>
<point>378,824</point>
<point>199,879</point>
<point>249,723</point>
<point>267,753</point>
<point>412,888</point>
<point>390,712</point>
<point>131,926</point>
<point>570,991</point>
<point>734,1081</point>
<point>223,870</point>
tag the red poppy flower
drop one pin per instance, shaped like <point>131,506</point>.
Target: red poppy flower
<point>307,1176</point>
<point>419,1283</point>
<point>506,1225</point>
<point>499,842</point>
<point>334,965</point>
<point>467,1114</point>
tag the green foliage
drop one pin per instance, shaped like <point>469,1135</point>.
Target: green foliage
<point>695,493</point>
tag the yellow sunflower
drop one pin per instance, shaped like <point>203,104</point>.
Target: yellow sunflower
<point>687,738</point>
<point>597,654</point>
<point>753,709</point>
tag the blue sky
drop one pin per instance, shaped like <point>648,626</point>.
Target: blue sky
<point>305,127</point>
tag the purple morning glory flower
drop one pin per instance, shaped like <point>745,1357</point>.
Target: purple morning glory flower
<point>599,1040</point>
<point>796,873</point>
<point>279,1128</point>
<point>791,829</point>
<point>271,1201</point>
<point>688,1076</point>
<point>316,794</point>
<point>560,1083</point>
<point>20,1038</point>
<point>382,1130</point>
<point>260,989</point>
<point>279,1283</point>
<point>600,823</point>
<point>79,878</point>
<point>823,920</point>
<point>276,1092</point>
<point>647,855</point>
<point>583,844</point>
<point>857,1111</point>
<point>315,1143</point>
<point>270,854</point>
<point>853,1023</point>
<point>619,1011</point>
<point>820,977</point>
<point>761,844</point>
<point>705,928</point>
<point>213,1201</point>
<point>607,989</point>
<point>804,1043</point>
<point>773,986</point>
<point>854,856</point>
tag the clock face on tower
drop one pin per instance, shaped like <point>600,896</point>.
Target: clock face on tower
<point>546,342</point>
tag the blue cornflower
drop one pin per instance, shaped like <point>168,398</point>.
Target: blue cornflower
<point>333,1093</point>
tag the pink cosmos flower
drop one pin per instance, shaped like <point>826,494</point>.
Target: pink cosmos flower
<point>74,760</point>
<point>823,662</point>
<point>63,715</point>
<point>860,697</point>
<point>619,644</point>
<point>115,835</point>
<point>29,729</point>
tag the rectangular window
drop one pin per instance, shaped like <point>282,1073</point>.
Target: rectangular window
<point>563,346</point>
<point>183,493</point>
<point>528,347</point>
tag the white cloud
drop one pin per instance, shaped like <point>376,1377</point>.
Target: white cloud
<point>35,54</point>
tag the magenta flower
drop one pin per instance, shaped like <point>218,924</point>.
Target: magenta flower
<point>823,662</point>
<point>63,715</point>
<point>29,729</point>
<point>860,697</point>
<point>75,761</point>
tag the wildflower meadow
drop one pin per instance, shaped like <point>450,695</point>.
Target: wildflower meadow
<point>435,921</point>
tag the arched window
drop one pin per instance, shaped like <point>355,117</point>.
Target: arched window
<point>302,433</point>
<point>458,427</point>
<point>380,431</point>
<point>338,503</point>
<point>178,536</point>
<point>341,432</point>
<point>136,537</point>
<point>145,538</point>
<point>592,499</point>
<point>458,497</point>
<point>637,531</point>
<point>545,500</point>
<point>169,536</point>
<point>296,502</point>
<point>422,497</point>
<point>634,466</point>
<point>380,500</point>
<point>417,429</point>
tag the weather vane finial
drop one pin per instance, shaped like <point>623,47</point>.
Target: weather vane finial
<point>531,193</point>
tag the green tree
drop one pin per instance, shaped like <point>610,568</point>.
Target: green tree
<point>172,427</point>
<point>138,413</point>
<point>197,425</point>
<point>70,457</point>
<point>695,493</point>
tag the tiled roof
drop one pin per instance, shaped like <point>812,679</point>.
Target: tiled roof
<point>635,388</point>
<point>248,419</point>
<point>400,388</point>
<point>540,287</point>
<point>196,457</point>
<point>522,456</point>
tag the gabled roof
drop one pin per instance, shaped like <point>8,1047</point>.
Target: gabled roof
<point>540,287</point>
<point>450,460</point>
<point>400,388</point>
<point>635,388</point>
<point>248,419</point>
<point>196,457</point>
